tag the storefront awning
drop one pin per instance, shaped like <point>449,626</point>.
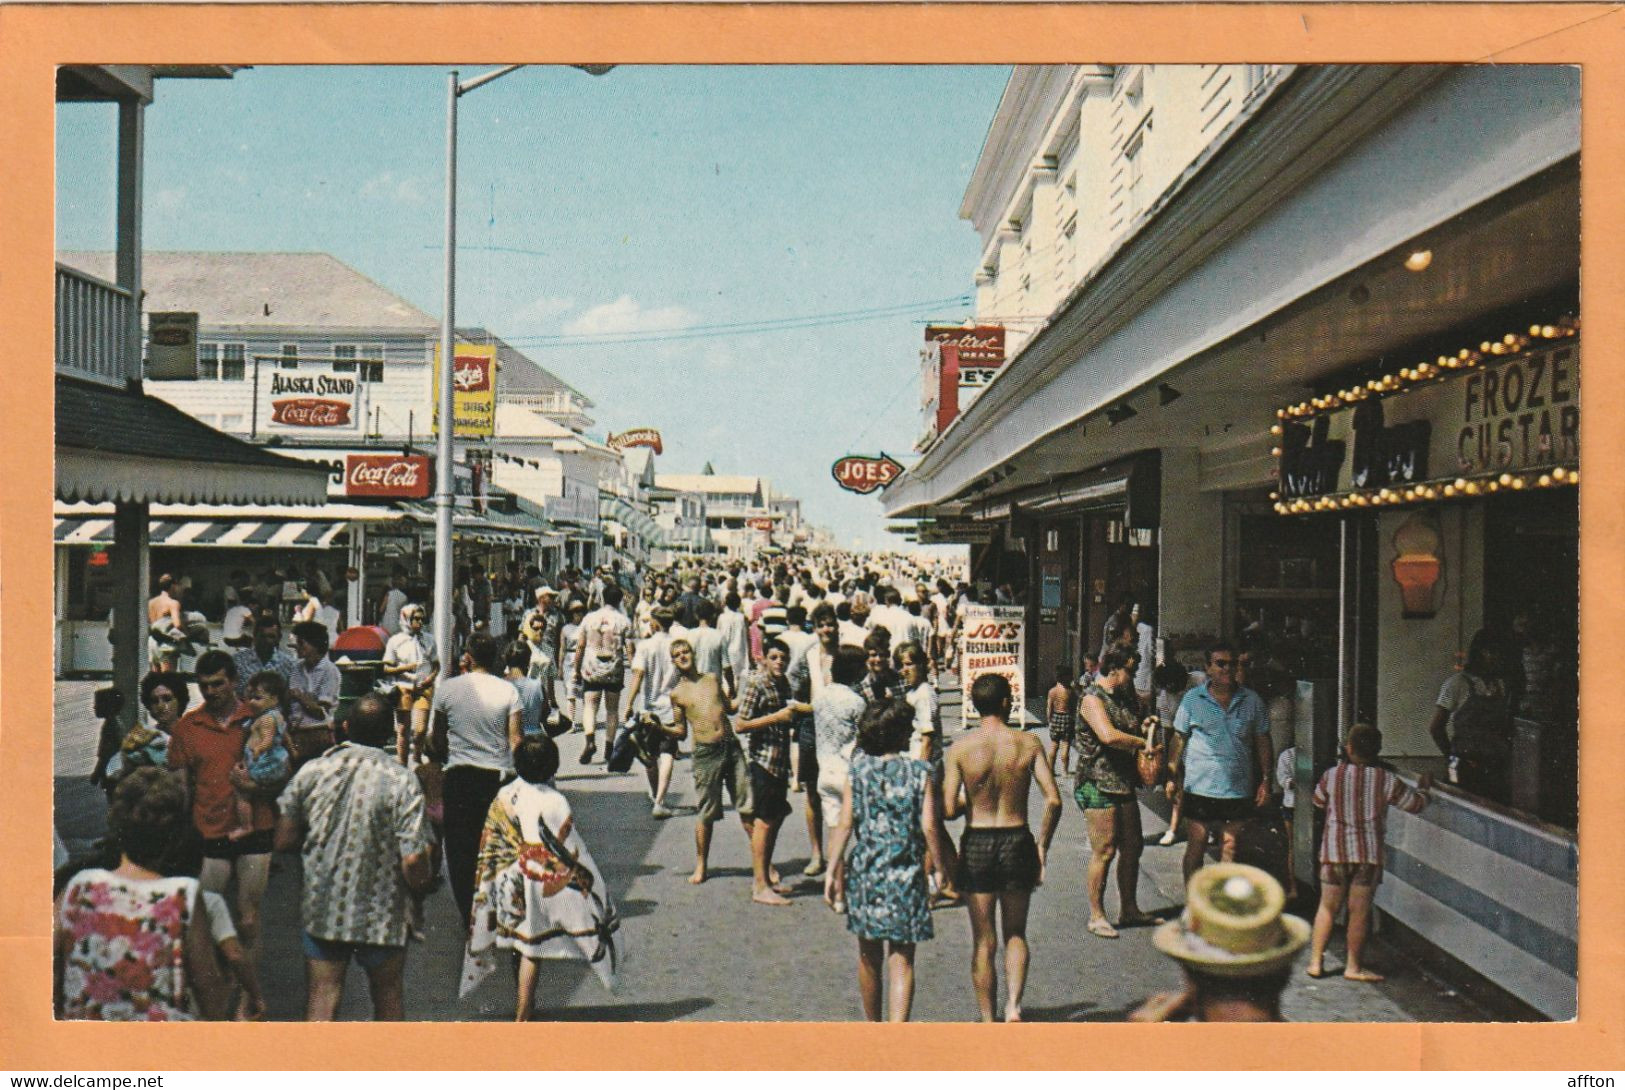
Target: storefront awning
<point>166,533</point>
<point>636,522</point>
<point>122,446</point>
<point>236,525</point>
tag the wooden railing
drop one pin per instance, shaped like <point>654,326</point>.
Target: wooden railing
<point>93,329</point>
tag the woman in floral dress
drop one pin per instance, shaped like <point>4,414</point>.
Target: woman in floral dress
<point>131,944</point>
<point>890,809</point>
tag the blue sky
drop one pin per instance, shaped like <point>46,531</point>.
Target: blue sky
<point>651,198</point>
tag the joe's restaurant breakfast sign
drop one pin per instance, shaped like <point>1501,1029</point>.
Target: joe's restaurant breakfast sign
<point>1462,426</point>
<point>310,401</point>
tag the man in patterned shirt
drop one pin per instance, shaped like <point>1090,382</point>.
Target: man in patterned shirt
<point>765,711</point>
<point>266,653</point>
<point>358,817</point>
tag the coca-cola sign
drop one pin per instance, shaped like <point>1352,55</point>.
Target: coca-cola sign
<point>390,476</point>
<point>863,473</point>
<point>979,346</point>
<point>471,374</point>
<point>759,523</point>
<point>310,412</point>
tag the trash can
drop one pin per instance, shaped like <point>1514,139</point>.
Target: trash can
<point>359,654</point>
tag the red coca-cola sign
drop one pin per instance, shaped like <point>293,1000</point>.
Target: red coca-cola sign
<point>759,523</point>
<point>863,473</point>
<point>311,412</point>
<point>390,476</point>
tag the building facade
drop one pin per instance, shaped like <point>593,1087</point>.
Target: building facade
<point>1279,392</point>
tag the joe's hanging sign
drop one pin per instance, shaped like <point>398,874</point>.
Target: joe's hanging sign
<point>307,399</point>
<point>636,437</point>
<point>387,476</point>
<point>863,473</point>
<point>473,390</point>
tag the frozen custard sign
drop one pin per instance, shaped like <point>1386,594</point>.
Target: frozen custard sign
<point>298,401</point>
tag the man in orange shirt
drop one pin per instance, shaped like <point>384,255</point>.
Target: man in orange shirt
<point>206,747</point>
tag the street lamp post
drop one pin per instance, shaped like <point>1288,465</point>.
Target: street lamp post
<point>445,478</point>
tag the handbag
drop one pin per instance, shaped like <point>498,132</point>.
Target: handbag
<point>1152,762</point>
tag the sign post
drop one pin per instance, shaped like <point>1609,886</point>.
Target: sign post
<point>993,641</point>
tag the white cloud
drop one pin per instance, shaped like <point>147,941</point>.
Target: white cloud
<point>390,187</point>
<point>627,315</point>
<point>169,199</point>
<point>541,311</point>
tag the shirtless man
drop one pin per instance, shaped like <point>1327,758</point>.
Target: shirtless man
<point>164,624</point>
<point>697,700</point>
<point>989,775</point>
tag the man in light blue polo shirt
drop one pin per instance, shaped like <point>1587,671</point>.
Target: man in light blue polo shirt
<point>1222,754</point>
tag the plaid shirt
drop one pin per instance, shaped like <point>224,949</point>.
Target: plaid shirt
<point>890,688</point>
<point>769,746</point>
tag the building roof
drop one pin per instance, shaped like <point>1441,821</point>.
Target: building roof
<point>518,422</point>
<point>263,290</point>
<point>115,444</point>
<point>710,483</point>
<point>517,374</point>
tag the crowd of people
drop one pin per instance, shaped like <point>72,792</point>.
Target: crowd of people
<point>817,679</point>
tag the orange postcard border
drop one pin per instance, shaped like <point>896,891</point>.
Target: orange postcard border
<point>34,38</point>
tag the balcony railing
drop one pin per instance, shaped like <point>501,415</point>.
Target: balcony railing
<point>92,329</point>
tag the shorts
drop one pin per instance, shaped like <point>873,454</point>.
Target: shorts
<point>257,842</point>
<point>997,861</point>
<point>1063,727</point>
<point>718,765</point>
<point>406,702</point>
<point>1206,809</point>
<point>769,795</point>
<point>367,955</point>
<point>1351,874</point>
<point>1090,797</point>
<point>808,772</point>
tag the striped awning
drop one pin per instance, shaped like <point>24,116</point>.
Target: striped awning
<point>286,534</point>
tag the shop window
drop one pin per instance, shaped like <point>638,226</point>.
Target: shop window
<point>1286,599</point>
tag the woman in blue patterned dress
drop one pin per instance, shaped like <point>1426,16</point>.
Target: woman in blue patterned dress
<point>889,810</point>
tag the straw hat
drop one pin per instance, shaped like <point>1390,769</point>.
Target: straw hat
<point>1233,924</point>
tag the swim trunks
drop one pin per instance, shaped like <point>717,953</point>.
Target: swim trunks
<point>997,861</point>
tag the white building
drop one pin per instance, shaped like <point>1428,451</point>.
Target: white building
<point>1259,309</point>
<point>737,510</point>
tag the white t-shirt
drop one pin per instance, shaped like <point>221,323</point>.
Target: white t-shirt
<point>735,633</point>
<point>710,652</point>
<point>605,632</point>
<point>927,719</point>
<point>799,643</point>
<point>1148,654</point>
<point>653,657</point>
<point>852,635</point>
<point>405,649</point>
<point>477,707</point>
<point>236,622</point>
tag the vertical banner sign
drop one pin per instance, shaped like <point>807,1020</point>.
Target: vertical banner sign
<point>992,641</point>
<point>473,390</point>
